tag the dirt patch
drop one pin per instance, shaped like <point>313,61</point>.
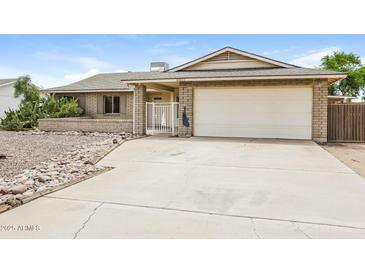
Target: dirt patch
<point>352,155</point>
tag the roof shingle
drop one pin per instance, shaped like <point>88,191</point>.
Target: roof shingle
<point>114,81</point>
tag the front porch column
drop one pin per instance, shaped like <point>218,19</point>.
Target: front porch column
<point>140,97</point>
<point>185,104</point>
<point>319,111</point>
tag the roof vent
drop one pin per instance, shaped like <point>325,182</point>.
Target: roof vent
<point>159,66</point>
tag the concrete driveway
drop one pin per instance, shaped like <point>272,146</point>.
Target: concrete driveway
<point>204,188</point>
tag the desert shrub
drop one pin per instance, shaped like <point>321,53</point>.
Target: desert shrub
<point>12,121</point>
<point>64,107</point>
<point>35,106</point>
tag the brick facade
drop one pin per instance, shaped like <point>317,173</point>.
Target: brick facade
<point>91,105</point>
<point>185,93</point>
<point>140,109</point>
<point>185,104</point>
<point>319,113</point>
<point>85,124</point>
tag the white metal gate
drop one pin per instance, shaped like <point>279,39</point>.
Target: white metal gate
<point>161,118</point>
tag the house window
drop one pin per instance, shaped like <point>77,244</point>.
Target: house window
<point>111,104</point>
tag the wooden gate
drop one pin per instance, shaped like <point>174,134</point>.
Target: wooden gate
<point>346,122</point>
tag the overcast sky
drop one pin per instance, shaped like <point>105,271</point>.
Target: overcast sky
<point>53,60</point>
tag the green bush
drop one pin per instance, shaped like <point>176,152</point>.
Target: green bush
<point>34,106</point>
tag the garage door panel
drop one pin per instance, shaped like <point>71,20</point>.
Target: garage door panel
<point>261,113</point>
<point>252,105</point>
<point>260,119</point>
<point>252,131</point>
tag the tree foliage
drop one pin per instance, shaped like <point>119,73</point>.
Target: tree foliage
<point>34,106</point>
<point>352,65</point>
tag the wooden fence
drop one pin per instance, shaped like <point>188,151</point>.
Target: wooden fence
<point>346,122</point>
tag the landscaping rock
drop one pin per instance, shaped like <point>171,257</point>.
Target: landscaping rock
<point>18,189</point>
<point>13,202</point>
<point>28,193</point>
<point>43,178</point>
<point>4,190</point>
<point>42,188</point>
<point>29,182</point>
<point>60,169</point>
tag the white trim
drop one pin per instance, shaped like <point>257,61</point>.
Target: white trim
<point>341,97</point>
<point>6,84</point>
<point>257,87</point>
<point>266,77</point>
<point>230,61</point>
<point>151,81</point>
<point>87,91</point>
<point>304,88</point>
<point>320,76</point>
<point>278,63</point>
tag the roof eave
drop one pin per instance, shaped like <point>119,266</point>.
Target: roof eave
<point>85,90</point>
<point>336,77</point>
<point>238,51</point>
<point>7,83</point>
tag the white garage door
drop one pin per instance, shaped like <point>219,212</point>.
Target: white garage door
<point>253,112</point>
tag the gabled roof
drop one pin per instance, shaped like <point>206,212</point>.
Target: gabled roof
<point>4,82</point>
<point>277,70</point>
<point>99,82</point>
<point>119,81</point>
<point>235,51</point>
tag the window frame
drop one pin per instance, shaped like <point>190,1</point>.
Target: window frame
<point>112,105</point>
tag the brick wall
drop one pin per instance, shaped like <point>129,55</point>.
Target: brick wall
<point>319,114</point>
<point>91,105</point>
<point>186,104</point>
<point>85,124</point>
<point>140,109</point>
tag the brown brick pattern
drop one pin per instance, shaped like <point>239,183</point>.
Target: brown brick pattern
<point>140,109</point>
<point>319,113</point>
<point>91,105</point>
<point>85,124</point>
<point>186,102</point>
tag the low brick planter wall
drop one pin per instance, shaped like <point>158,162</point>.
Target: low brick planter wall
<point>85,124</point>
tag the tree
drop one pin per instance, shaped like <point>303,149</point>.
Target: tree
<point>352,65</point>
<point>34,106</point>
<point>24,87</point>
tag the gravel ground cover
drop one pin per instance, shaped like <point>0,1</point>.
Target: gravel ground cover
<point>34,163</point>
<point>24,150</point>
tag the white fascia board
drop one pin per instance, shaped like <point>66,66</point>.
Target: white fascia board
<point>8,83</point>
<point>247,54</point>
<point>320,76</point>
<point>86,91</point>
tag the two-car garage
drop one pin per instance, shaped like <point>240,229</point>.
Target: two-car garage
<point>257,112</point>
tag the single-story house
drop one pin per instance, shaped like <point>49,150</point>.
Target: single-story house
<point>7,99</point>
<point>227,93</point>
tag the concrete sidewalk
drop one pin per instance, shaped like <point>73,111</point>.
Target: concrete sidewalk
<point>204,188</point>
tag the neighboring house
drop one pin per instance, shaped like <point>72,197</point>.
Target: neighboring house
<point>227,93</point>
<point>7,99</point>
<point>340,99</point>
